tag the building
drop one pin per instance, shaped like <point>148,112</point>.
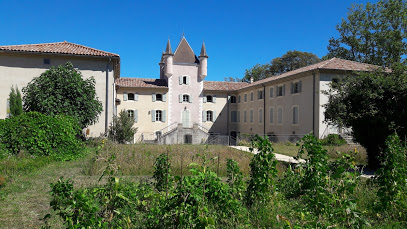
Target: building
<point>181,107</point>
<point>19,64</point>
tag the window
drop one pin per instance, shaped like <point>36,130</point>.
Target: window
<point>260,115</point>
<point>158,97</point>
<point>245,98</point>
<point>251,96</point>
<point>185,98</point>
<point>296,87</point>
<point>281,90</point>
<point>295,115</point>
<point>47,61</point>
<point>209,98</point>
<point>158,115</point>
<point>279,115</point>
<point>251,116</point>
<point>245,116</point>
<point>131,113</point>
<point>233,116</point>
<point>271,115</point>
<point>209,116</point>
<point>130,96</point>
<point>260,94</point>
<point>183,80</point>
<point>271,92</point>
<point>232,99</point>
<point>238,99</point>
<point>238,116</point>
<point>8,112</point>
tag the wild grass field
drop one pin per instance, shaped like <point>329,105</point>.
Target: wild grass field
<point>25,194</point>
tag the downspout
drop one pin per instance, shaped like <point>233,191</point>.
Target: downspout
<point>107,96</point>
<point>313,104</point>
<point>264,110</point>
<point>227,113</point>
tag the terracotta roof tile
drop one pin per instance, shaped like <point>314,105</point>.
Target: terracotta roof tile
<point>223,85</point>
<point>331,64</point>
<point>57,48</point>
<point>140,82</point>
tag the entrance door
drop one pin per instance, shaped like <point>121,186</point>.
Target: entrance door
<point>233,136</point>
<point>185,118</point>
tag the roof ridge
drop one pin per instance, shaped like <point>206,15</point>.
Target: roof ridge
<point>35,44</point>
<point>66,42</point>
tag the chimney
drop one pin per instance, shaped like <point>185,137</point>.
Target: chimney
<point>251,79</point>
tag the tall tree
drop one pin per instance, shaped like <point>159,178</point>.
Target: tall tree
<point>373,105</point>
<point>121,129</point>
<point>16,105</point>
<point>62,90</point>
<point>290,61</point>
<point>372,33</point>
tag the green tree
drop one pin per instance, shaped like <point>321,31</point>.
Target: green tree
<point>63,90</point>
<point>16,105</point>
<point>121,130</point>
<point>290,61</point>
<point>373,105</point>
<point>372,33</point>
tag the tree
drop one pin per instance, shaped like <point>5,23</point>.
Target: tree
<point>232,79</point>
<point>290,61</point>
<point>372,104</point>
<point>121,130</point>
<point>62,90</point>
<point>16,105</point>
<point>374,34</point>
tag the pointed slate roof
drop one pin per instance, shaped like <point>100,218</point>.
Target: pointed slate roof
<point>67,48</point>
<point>184,53</point>
<point>203,51</point>
<point>168,49</point>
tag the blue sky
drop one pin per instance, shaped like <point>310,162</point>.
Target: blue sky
<point>237,34</point>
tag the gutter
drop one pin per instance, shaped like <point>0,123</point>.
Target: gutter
<point>313,104</point>
<point>107,96</point>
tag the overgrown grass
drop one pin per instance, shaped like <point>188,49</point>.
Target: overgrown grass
<point>139,159</point>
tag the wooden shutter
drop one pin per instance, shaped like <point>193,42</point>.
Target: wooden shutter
<point>125,96</point>
<point>154,97</point>
<point>164,97</point>
<point>153,115</point>
<point>136,115</point>
<point>214,98</point>
<point>180,98</point>
<point>163,115</point>
<point>214,115</point>
<point>203,116</point>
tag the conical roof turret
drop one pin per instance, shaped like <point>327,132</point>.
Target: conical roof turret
<point>203,51</point>
<point>168,50</point>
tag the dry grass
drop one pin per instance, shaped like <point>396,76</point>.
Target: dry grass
<point>139,159</point>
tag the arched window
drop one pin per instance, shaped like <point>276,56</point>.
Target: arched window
<point>251,115</point>
<point>245,116</point>
<point>295,115</point>
<point>279,115</point>
<point>271,115</point>
<point>260,115</point>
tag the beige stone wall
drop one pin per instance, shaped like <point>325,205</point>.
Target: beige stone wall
<point>21,69</point>
<point>144,107</point>
<point>220,108</point>
<point>302,100</point>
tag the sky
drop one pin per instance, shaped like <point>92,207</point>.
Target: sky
<point>237,34</point>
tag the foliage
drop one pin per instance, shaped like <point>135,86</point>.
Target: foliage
<point>370,103</point>
<point>392,178</point>
<point>235,179</point>
<point>121,130</point>
<point>41,135</point>
<point>290,61</point>
<point>263,172</point>
<point>16,105</point>
<point>162,173</point>
<point>62,90</point>
<point>372,33</point>
<point>333,140</point>
<point>232,79</point>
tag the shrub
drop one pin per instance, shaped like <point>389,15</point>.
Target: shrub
<point>391,178</point>
<point>263,171</point>
<point>39,134</point>
<point>121,130</point>
<point>162,171</point>
<point>333,140</point>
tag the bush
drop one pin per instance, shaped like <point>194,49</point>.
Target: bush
<point>333,140</point>
<point>121,130</point>
<point>41,135</point>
